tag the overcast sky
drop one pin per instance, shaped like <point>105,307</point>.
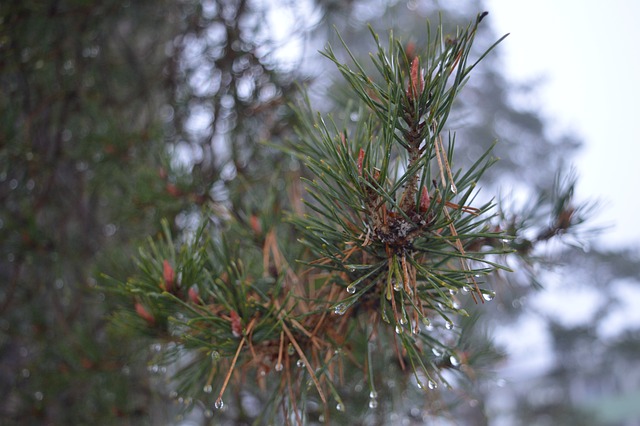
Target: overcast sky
<point>586,53</point>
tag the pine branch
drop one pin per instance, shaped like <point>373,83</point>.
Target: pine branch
<point>392,241</point>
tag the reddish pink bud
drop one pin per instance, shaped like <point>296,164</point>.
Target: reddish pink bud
<point>169,276</point>
<point>416,81</point>
<point>236,325</point>
<point>425,200</point>
<point>360,161</point>
<point>254,221</point>
<point>144,314</point>
<point>194,296</point>
<point>410,50</point>
<point>173,190</point>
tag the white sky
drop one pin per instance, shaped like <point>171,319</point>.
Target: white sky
<point>587,53</point>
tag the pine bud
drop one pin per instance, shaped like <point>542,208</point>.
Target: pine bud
<point>425,200</point>
<point>416,80</point>
<point>254,222</point>
<point>236,325</point>
<point>173,190</point>
<point>144,314</point>
<point>168,275</point>
<point>194,296</point>
<point>360,161</point>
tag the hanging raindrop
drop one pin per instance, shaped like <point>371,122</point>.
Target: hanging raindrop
<point>351,289</point>
<point>432,385</point>
<point>488,296</point>
<point>340,407</point>
<point>300,363</point>
<point>279,366</point>
<point>218,404</point>
<point>373,403</point>
<point>448,325</point>
<point>454,361</point>
<point>398,329</point>
<point>207,389</point>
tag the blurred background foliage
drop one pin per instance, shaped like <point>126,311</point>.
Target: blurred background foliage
<point>115,114</point>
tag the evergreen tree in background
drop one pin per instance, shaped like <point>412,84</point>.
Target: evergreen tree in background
<point>117,114</point>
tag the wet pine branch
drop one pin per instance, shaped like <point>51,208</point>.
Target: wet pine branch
<point>392,242</point>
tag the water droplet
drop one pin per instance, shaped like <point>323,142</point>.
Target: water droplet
<point>351,289</point>
<point>432,384</point>
<point>373,403</point>
<point>38,395</point>
<point>466,289</point>
<point>397,286</point>
<point>300,363</point>
<point>436,352</point>
<point>340,406</point>
<point>215,355</point>
<point>488,296</point>
<point>453,187</point>
<point>207,389</point>
<point>453,291</point>
<point>290,349</point>
<point>279,366</point>
<point>426,321</point>
<point>448,325</point>
<point>403,320</point>
<point>454,361</point>
<point>218,404</point>
<point>354,116</point>
<point>373,394</point>
<point>420,385</point>
<point>340,309</point>
<point>398,329</point>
